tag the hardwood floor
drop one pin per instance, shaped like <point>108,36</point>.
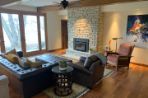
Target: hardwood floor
<point>132,83</point>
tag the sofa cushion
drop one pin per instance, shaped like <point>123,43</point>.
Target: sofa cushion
<point>89,60</point>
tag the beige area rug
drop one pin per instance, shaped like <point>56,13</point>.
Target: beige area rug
<point>78,90</point>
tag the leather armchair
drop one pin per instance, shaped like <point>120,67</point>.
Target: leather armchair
<point>4,90</point>
<point>87,76</point>
<point>122,57</point>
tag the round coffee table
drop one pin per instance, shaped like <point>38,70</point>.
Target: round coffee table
<point>63,81</point>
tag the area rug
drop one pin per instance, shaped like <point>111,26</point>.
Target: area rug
<point>78,90</point>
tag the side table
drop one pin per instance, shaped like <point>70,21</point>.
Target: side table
<point>63,81</point>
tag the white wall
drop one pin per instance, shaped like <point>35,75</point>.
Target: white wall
<point>54,29</point>
<point>115,22</point>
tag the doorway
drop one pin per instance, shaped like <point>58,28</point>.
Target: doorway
<point>64,34</point>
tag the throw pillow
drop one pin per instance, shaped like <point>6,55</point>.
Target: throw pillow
<point>13,51</point>
<point>101,57</point>
<point>22,63</point>
<point>32,64</point>
<point>12,58</point>
<point>89,60</point>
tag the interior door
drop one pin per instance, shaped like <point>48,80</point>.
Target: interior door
<point>64,31</point>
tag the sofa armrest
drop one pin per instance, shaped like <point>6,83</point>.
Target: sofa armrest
<point>97,67</point>
<point>82,59</point>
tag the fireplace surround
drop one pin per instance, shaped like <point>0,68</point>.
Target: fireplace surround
<point>81,44</point>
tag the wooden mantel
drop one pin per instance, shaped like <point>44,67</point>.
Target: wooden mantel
<point>103,2</point>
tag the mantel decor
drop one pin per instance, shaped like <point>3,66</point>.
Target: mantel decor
<point>137,30</point>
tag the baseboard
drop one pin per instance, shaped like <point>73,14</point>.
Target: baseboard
<point>54,50</point>
<point>139,64</point>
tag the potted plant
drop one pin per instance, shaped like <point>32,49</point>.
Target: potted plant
<point>62,65</point>
<point>92,50</point>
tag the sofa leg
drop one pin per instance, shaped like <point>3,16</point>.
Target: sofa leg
<point>116,68</point>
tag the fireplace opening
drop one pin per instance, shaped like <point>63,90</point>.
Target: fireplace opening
<point>81,44</point>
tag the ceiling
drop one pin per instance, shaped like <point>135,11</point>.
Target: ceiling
<point>33,3</point>
<point>3,2</point>
<point>48,3</point>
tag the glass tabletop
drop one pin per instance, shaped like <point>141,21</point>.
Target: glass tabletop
<point>56,69</point>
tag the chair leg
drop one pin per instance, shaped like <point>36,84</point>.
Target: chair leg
<point>116,68</point>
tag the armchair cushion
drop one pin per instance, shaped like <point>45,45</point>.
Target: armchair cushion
<point>89,60</point>
<point>113,58</point>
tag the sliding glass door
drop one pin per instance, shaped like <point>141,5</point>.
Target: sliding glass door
<point>31,33</point>
<point>23,31</point>
<point>11,31</point>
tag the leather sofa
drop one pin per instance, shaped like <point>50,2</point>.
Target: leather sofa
<point>88,76</point>
<point>27,82</point>
<point>4,90</point>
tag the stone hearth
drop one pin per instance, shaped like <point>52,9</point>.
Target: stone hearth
<point>84,23</point>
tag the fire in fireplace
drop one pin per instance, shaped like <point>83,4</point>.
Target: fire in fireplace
<point>81,44</point>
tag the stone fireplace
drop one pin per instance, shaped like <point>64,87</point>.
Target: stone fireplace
<point>81,44</point>
<point>84,31</point>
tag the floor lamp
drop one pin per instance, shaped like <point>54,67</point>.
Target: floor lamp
<point>116,39</point>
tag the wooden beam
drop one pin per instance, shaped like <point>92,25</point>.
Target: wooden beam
<point>103,2</point>
<point>4,2</point>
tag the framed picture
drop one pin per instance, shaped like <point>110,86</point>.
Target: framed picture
<point>137,30</point>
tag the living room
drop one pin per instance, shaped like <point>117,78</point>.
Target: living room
<point>83,29</point>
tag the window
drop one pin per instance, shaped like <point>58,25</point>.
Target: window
<point>11,31</point>
<point>22,31</point>
<point>31,33</point>
<point>42,30</point>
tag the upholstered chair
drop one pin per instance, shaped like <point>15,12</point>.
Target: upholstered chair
<point>122,57</point>
<point>88,71</point>
<point>4,90</point>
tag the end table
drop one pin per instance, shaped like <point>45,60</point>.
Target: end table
<point>63,81</point>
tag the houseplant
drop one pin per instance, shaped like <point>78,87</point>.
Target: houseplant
<point>92,50</point>
<point>62,65</point>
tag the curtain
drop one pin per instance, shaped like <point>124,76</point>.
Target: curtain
<point>11,28</point>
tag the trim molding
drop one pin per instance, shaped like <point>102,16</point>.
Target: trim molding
<point>54,50</point>
<point>139,64</point>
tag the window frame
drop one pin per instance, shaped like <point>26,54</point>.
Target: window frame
<point>22,30</point>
